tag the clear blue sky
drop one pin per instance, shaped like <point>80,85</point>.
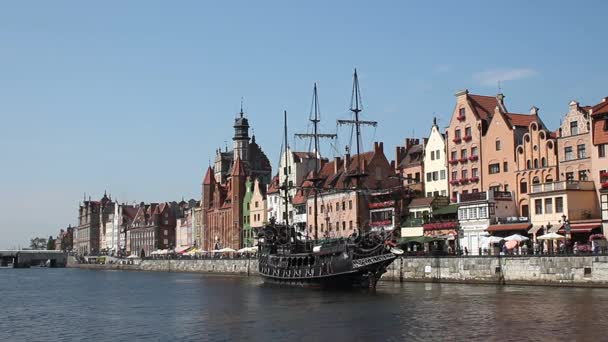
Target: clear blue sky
<point>134,97</point>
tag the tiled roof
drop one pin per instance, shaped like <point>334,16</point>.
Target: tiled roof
<point>600,136</point>
<point>209,179</point>
<point>298,156</point>
<point>274,185</point>
<point>413,156</point>
<point>600,108</point>
<point>483,105</point>
<point>421,202</point>
<point>508,227</point>
<point>237,167</point>
<point>521,120</point>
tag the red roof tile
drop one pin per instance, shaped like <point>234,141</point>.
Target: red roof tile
<point>600,108</point>
<point>237,167</point>
<point>521,120</point>
<point>209,179</point>
<point>483,105</point>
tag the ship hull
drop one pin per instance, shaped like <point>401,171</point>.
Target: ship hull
<point>362,273</point>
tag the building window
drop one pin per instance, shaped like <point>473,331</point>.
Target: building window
<point>548,206</point>
<point>474,172</point>
<point>483,212</point>
<point>461,113</point>
<point>428,176</point>
<point>495,188</point>
<point>498,145</point>
<point>467,131</point>
<point>256,204</point>
<point>559,204</point>
<point>463,153</point>
<point>528,164</point>
<point>601,150</point>
<point>538,207</point>
<point>543,162</point>
<point>437,154</point>
<point>582,175</point>
<point>569,155</point>
<point>523,187</point>
<point>580,151</point>
<point>338,206</point>
<point>569,176</point>
<point>350,225</point>
<point>536,163</point>
<point>429,194</point>
<point>435,175</point>
<point>453,155</point>
<point>475,190</point>
<point>343,225</point>
<point>350,204</point>
<point>494,168</point>
<point>442,174</point>
<point>505,167</point>
<point>343,205</point>
<point>573,127</point>
<point>457,134</point>
<point>474,151</point>
<point>322,207</point>
<point>454,175</point>
<point>465,174</point>
<point>432,155</point>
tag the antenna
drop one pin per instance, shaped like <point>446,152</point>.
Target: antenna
<point>499,87</point>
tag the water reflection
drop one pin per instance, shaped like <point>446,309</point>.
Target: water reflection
<point>68,304</point>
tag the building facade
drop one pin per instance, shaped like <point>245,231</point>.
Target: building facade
<point>153,228</point>
<point>574,144</point>
<point>435,164</point>
<point>87,236</point>
<point>409,161</point>
<point>258,214</point>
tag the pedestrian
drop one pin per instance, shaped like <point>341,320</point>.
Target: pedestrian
<point>466,251</point>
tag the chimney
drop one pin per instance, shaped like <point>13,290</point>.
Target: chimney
<point>534,110</point>
<point>462,93</point>
<point>375,146</point>
<point>392,164</point>
<point>408,143</point>
<point>337,164</point>
<point>399,154</point>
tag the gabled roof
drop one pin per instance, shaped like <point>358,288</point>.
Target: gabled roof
<point>209,178</point>
<point>274,185</point>
<point>298,156</point>
<point>237,167</point>
<point>521,120</point>
<point>421,202</point>
<point>413,157</point>
<point>600,108</point>
<point>482,105</point>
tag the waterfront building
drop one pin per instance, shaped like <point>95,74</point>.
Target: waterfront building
<point>435,164</point>
<point>477,211</point>
<point>599,159</point>
<point>273,198</point>
<point>224,188</point>
<point>127,215</point>
<point>340,208</point>
<point>65,239</point>
<point>504,133</point>
<point>184,225</point>
<point>152,228</point>
<point>572,200</point>
<point>198,224</point>
<point>536,162</point>
<point>247,231</point>
<point>109,225</point>
<point>464,135</point>
<point>574,144</point>
<point>419,212</point>
<point>87,236</point>
<point>258,210</point>
<point>409,161</point>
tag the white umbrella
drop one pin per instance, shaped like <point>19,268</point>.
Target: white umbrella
<point>551,236</point>
<point>243,250</point>
<point>224,250</point>
<point>133,256</point>
<point>494,239</point>
<point>516,237</point>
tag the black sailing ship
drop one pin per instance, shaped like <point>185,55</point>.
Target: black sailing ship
<point>286,257</point>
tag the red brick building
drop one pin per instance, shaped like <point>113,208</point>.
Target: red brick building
<point>152,228</point>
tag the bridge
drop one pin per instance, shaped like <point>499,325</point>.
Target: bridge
<point>27,258</point>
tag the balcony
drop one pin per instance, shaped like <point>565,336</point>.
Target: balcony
<point>454,181</point>
<point>464,180</point>
<point>474,196</point>
<point>461,117</point>
<point>473,158</point>
<point>605,185</point>
<point>453,161</point>
<point>562,185</point>
<point>463,160</point>
<point>385,204</point>
<point>457,140</point>
<point>474,179</point>
<point>467,138</point>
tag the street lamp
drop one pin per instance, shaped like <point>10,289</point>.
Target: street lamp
<point>566,229</point>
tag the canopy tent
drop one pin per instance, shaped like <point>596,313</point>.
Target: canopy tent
<point>224,250</point>
<point>516,237</point>
<point>133,256</point>
<point>182,249</point>
<point>551,236</point>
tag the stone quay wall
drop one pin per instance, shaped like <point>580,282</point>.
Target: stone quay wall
<point>532,270</point>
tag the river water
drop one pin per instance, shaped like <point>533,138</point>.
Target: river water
<point>41,304</point>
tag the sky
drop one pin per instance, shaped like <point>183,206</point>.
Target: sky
<point>134,97</point>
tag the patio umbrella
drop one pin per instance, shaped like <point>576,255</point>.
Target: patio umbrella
<point>511,244</point>
<point>494,239</point>
<point>551,236</point>
<point>516,237</point>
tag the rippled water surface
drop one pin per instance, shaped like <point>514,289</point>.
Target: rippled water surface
<point>72,304</point>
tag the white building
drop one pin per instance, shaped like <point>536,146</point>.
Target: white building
<point>435,164</point>
<point>297,166</point>
<point>477,211</point>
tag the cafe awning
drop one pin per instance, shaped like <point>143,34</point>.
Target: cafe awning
<point>508,227</point>
<point>580,228</point>
<point>535,228</point>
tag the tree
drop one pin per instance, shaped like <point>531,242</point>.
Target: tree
<point>50,245</point>
<point>38,243</point>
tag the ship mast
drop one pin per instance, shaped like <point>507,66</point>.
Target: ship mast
<point>356,108</point>
<point>286,179</point>
<point>315,118</point>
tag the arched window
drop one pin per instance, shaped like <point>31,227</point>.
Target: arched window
<point>535,180</point>
<point>548,179</point>
<point>543,161</point>
<point>536,163</point>
<point>528,164</point>
<point>523,186</point>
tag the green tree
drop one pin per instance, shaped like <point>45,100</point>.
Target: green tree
<point>50,245</point>
<point>38,243</point>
